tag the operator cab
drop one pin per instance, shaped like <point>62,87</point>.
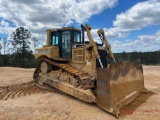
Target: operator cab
<point>65,38</point>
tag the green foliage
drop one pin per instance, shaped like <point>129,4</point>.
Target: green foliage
<point>21,44</point>
<point>16,61</point>
<point>0,48</point>
<point>12,60</point>
<point>145,57</point>
<point>22,54</point>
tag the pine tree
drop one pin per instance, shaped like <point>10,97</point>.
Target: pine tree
<point>20,42</point>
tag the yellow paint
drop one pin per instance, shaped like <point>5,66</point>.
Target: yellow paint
<point>50,52</point>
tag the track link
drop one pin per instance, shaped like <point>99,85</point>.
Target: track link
<point>78,73</point>
<point>84,77</point>
<point>18,90</point>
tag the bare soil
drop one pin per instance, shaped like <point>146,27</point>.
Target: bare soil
<point>25,101</point>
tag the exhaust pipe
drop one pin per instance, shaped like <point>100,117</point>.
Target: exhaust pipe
<point>82,33</point>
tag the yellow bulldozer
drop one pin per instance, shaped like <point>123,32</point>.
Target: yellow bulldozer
<point>80,68</point>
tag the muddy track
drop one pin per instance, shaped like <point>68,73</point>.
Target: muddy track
<point>18,90</point>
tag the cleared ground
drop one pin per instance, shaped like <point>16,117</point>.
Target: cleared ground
<point>25,101</point>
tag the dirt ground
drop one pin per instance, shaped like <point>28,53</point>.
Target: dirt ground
<point>33,103</point>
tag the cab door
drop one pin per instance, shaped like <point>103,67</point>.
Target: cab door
<point>66,44</point>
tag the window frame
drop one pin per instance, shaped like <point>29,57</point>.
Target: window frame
<point>75,31</point>
<point>56,34</point>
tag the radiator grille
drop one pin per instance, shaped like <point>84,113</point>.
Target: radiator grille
<point>78,55</point>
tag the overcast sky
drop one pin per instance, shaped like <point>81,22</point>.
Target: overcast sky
<point>130,25</point>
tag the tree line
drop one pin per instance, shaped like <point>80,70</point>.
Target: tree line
<point>15,59</point>
<point>18,50</point>
<point>145,57</point>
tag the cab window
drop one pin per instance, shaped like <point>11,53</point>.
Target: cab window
<point>77,37</point>
<point>54,38</point>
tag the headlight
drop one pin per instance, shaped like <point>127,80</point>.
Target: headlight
<point>42,51</point>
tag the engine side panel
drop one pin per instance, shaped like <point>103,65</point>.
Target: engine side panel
<point>50,52</point>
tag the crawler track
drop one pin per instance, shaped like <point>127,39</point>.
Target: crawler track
<point>80,74</point>
<point>18,90</point>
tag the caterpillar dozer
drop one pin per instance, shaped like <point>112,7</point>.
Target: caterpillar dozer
<point>80,68</point>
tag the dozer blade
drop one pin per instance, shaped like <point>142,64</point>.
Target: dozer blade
<point>118,85</point>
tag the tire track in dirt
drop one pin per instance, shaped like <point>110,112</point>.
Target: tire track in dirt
<point>18,90</point>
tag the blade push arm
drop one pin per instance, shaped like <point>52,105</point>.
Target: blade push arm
<point>104,40</point>
<point>87,28</point>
